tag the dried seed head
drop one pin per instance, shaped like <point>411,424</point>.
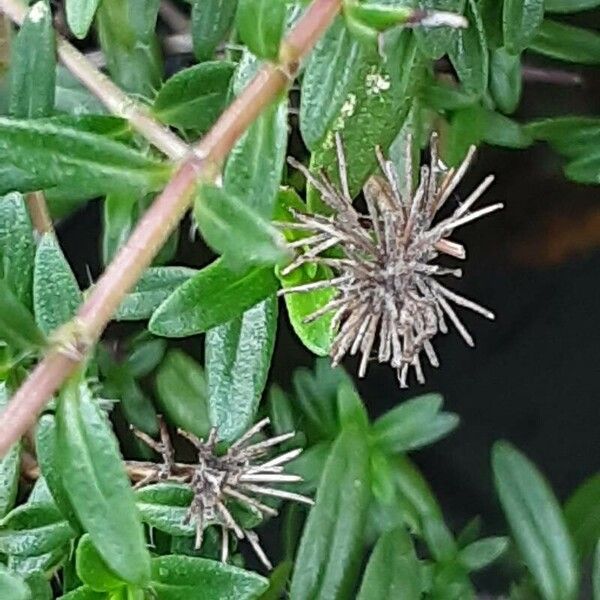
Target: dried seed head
<point>386,282</point>
<point>242,474</point>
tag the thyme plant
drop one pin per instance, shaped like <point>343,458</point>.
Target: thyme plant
<point>130,471</point>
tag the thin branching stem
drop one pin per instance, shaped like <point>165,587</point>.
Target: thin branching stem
<point>160,220</point>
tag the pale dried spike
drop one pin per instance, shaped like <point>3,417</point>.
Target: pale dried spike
<point>462,301</point>
<point>229,520</point>
<point>270,478</point>
<point>230,491</point>
<point>278,460</point>
<point>456,321</point>
<point>224,545</point>
<point>264,491</point>
<point>474,196</point>
<point>315,285</point>
<point>455,177</point>
<point>343,174</point>
<point>253,540</point>
<point>486,210</point>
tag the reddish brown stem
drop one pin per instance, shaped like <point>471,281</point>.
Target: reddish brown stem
<point>38,212</point>
<point>160,220</point>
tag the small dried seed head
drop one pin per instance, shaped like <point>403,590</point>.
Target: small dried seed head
<point>388,298</point>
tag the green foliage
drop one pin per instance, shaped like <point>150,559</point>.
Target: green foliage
<point>260,25</point>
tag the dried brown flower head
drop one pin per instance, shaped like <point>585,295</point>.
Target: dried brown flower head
<point>387,280</point>
<point>241,475</point>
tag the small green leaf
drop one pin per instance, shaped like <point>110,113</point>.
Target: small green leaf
<point>180,578</point>
<point>40,587</point>
<point>536,523</point>
<point>503,131</point>
<point>43,153</point>
<point>12,586</point>
<point>99,487</point>
<point>33,65</point>
<point>332,542</point>
<point>145,354</point>
<point>119,219</point>
<point>351,408</point>
<point>92,569</point>
<point>436,42</point>
<point>571,135</point>
<point>238,357</point>
<point>211,21</point>
<point>17,325</point>
<point>491,15</point>
<point>193,98</point>
<point>392,570</point>
<point>56,295</point>
<point>280,410</point>
<point>34,529</point>
<point>260,24</point>
<point>585,170</point>
<point>80,14</point>
<point>45,563</point>
<point>213,296</point>
<point>72,97</point>
<point>87,593</point>
<point>466,128</point>
<point>483,552</point>
<point>413,424</point>
<point>182,394</point>
<point>10,465</point>
<point>238,231</point>
<point>568,43</point>
<point>505,79</point>
<point>442,96</point>
<point>469,52</point>
<point>569,6</point>
<point>164,506</point>
<point>521,19</point>
<point>17,246</point>
<point>155,286</point>
<point>327,81</point>
<point>127,36</point>
<point>582,514</point>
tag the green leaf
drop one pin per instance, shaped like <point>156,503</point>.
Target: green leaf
<point>17,246</point>
<point>505,79</point>
<point>182,394</point>
<point>12,586</point>
<point>17,325</point>
<point>72,97</point>
<point>491,15</point>
<point>571,135</point>
<point>86,593</point>
<point>568,43</point>
<point>582,514</point>
<point>503,131</point>
<point>467,128</point>
<point>213,296</point>
<point>260,25</point>
<point>99,487</point>
<point>332,542</point>
<point>520,20</point>
<point>351,408</point>
<point>45,563</point>
<point>155,286</point>
<point>278,581</point>
<point>10,465</point>
<point>47,455</point>
<point>469,53</point>
<point>328,78</point>
<point>180,578</point>
<point>92,569</point>
<point>193,98</point>
<point>127,36</point>
<point>40,587</point>
<point>238,231</point>
<point>238,357</point>
<point>413,424</point>
<point>584,170</point>
<point>211,20</point>
<point>442,96</point>
<point>119,219</point>
<point>436,42</point>
<point>33,65</point>
<point>42,153</point>
<point>164,506</point>
<point>56,295</point>
<point>536,523</point>
<point>483,552</point>
<point>596,573</point>
<point>80,14</point>
<point>569,6</point>
<point>145,354</point>
<point>34,529</point>
<point>392,570</point>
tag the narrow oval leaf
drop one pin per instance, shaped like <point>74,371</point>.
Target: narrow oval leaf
<point>182,394</point>
<point>10,465</point>
<point>33,65</point>
<point>56,295</point>
<point>155,286</point>
<point>503,131</point>
<point>521,20</point>
<point>86,593</point>
<point>260,24</point>
<point>238,357</point>
<point>165,506</point>
<point>119,219</point>
<point>571,136</point>
<point>585,170</point>
<point>17,246</point>
<point>34,529</point>
<point>17,325</point>
<point>99,487</point>
<point>80,14</point>
<point>436,42</point>
<point>42,153</point>
<point>393,570</point>
<point>193,98</point>
<point>12,586</point>
<point>536,523</point>
<point>211,21</point>
<point>326,84</point>
<point>180,578</point>
<point>569,6</point>
<point>213,296</point>
<point>568,43</point>
<point>582,514</point>
<point>92,569</point>
<point>505,79</point>
<point>332,541</point>
<point>481,553</point>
